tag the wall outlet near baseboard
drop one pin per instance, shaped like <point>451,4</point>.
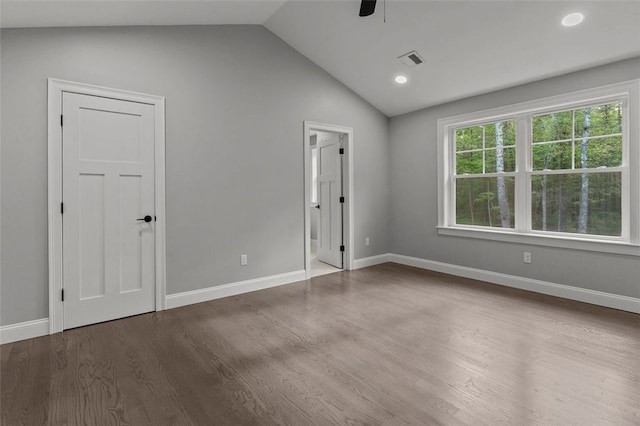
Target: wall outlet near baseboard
<point>526,257</point>
<point>366,241</point>
<point>243,259</point>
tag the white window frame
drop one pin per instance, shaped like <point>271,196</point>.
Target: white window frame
<point>629,241</point>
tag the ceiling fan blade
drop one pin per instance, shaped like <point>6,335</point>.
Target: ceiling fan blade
<point>367,7</point>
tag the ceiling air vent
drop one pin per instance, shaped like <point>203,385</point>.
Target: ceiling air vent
<point>411,59</point>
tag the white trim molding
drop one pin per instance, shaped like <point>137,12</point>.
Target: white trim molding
<point>609,300</point>
<point>569,242</point>
<point>347,191</point>
<point>37,328</point>
<point>232,289</point>
<point>371,261</point>
<point>56,88</point>
<point>627,243</point>
<point>24,330</point>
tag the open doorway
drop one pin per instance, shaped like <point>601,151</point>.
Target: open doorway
<point>328,201</point>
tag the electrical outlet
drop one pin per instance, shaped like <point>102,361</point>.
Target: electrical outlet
<point>243,259</point>
<point>366,241</point>
<point>526,257</point>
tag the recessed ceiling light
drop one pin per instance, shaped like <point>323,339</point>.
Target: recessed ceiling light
<point>572,19</point>
<point>401,79</point>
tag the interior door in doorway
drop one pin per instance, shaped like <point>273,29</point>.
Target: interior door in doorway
<point>108,220</point>
<point>329,193</point>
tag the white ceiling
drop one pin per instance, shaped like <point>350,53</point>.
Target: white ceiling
<point>90,13</point>
<point>469,47</point>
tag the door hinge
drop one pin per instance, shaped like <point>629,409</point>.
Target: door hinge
<point>61,208</point>
<point>341,151</point>
<point>341,248</point>
<point>342,199</point>
<point>62,294</point>
<point>61,121</point>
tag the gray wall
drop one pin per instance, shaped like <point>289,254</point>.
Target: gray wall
<point>414,210</point>
<point>226,87</point>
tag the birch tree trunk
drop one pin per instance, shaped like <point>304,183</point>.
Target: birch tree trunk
<point>583,216</point>
<point>547,159</point>
<point>503,201</point>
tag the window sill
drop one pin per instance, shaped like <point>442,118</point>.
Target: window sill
<point>600,246</point>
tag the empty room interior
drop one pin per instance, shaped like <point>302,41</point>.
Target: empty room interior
<point>305,212</point>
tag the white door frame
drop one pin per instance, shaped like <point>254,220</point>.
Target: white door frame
<point>347,185</point>
<point>56,88</point>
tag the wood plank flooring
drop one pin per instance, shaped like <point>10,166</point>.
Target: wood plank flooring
<point>386,345</point>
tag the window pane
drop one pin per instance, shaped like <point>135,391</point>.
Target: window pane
<point>485,201</point>
<point>552,156</point>
<point>507,163</point>
<point>553,127</point>
<point>559,206</point>
<point>600,152</point>
<point>500,134</point>
<point>598,121</point>
<point>469,162</point>
<point>496,140</point>
<point>469,138</point>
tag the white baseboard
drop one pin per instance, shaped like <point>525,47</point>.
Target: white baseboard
<point>24,330</point>
<point>370,261</point>
<point>232,289</point>
<point>37,328</point>
<point>623,303</point>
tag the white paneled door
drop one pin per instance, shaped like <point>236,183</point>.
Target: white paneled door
<point>108,219</point>
<point>329,193</point>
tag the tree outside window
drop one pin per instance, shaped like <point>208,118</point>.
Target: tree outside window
<point>566,167</point>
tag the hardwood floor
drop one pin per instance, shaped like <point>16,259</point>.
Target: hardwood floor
<point>386,345</point>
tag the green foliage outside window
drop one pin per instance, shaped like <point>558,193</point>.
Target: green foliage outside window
<point>487,148</point>
<point>477,201</point>
<point>563,203</point>
<point>579,144</point>
<point>557,138</point>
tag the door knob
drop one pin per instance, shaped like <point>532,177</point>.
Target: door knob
<point>317,206</point>
<point>147,218</point>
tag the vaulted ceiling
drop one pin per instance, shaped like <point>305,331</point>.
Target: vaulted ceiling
<point>468,47</point>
